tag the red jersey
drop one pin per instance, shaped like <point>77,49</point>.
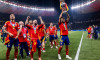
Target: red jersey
<point>56,30</point>
<point>12,27</point>
<point>29,32</point>
<point>47,30</point>
<point>89,29</point>
<point>51,30</point>
<point>23,35</point>
<point>1,31</point>
<point>63,28</point>
<point>34,31</point>
<point>41,31</point>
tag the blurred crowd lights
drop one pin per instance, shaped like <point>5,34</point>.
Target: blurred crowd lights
<point>81,5</point>
<point>29,7</point>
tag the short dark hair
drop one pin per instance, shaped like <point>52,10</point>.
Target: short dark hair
<point>62,18</point>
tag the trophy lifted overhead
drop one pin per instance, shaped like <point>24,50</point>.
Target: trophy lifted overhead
<point>63,6</point>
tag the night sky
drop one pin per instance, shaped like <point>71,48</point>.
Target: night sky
<point>48,3</point>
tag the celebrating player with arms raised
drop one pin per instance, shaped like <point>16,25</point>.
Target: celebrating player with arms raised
<point>23,39</point>
<point>11,27</point>
<point>64,34</point>
<point>34,29</point>
<point>42,34</point>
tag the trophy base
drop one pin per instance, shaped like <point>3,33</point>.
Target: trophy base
<point>64,12</point>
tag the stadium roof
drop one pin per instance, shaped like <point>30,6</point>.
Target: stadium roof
<point>21,9</point>
<point>46,7</point>
<point>88,8</point>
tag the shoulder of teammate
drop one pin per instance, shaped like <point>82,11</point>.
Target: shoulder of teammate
<point>5,25</point>
<point>28,26</point>
<point>17,25</point>
<point>7,21</point>
<point>40,26</point>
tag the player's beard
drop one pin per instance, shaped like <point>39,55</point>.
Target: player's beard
<point>35,24</point>
<point>13,20</point>
<point>30,23</point>
<point>63,22</point>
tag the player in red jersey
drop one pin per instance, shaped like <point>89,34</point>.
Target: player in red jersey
<point>89,31</point>
<point>34,29</point>
<point>52,34</point>
<point>42,36</point>
<point>11,28</point>
<point>3,35</point>
<point>47,32</point>
<point>56,37</point>
<point>64,34</point>
<point>23,39</point>
<point>29,34</point>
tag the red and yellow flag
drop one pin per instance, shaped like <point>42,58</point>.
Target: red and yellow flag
<point>65,6</point>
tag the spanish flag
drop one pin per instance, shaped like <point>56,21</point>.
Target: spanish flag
<point>67,7</point>
<point>34,45</point>
<point>7,40</point>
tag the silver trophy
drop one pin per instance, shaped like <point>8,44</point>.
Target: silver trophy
<point>63,5</point>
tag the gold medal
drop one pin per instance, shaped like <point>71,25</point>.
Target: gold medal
<point>34,29</point>
<point>13,25</point>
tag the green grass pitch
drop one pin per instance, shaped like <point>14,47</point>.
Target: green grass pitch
<point>90,49</point>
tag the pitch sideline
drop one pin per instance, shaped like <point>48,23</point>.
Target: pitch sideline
<point>78,51</point>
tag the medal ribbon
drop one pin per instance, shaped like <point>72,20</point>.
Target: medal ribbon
<point>34,29</point>
<point>24,33</point>
<point>64,26</point>
<point>13,25</point>
<point>51,28</point>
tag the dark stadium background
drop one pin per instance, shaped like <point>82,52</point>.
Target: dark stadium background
<point>79,18</point>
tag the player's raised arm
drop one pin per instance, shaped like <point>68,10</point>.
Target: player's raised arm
<point>42,22</point>
<point>60,16</point>
<point>68,17</point>
<point>44,30</point>
<point>27,20</point>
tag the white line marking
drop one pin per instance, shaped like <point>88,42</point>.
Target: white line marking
<point>78,51</point>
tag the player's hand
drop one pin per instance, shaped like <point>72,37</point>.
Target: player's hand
<point>39,17</point>
<point>16,37</point>
<point>11,34</point>
<point>28,17</point>
<point>21,26</point>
